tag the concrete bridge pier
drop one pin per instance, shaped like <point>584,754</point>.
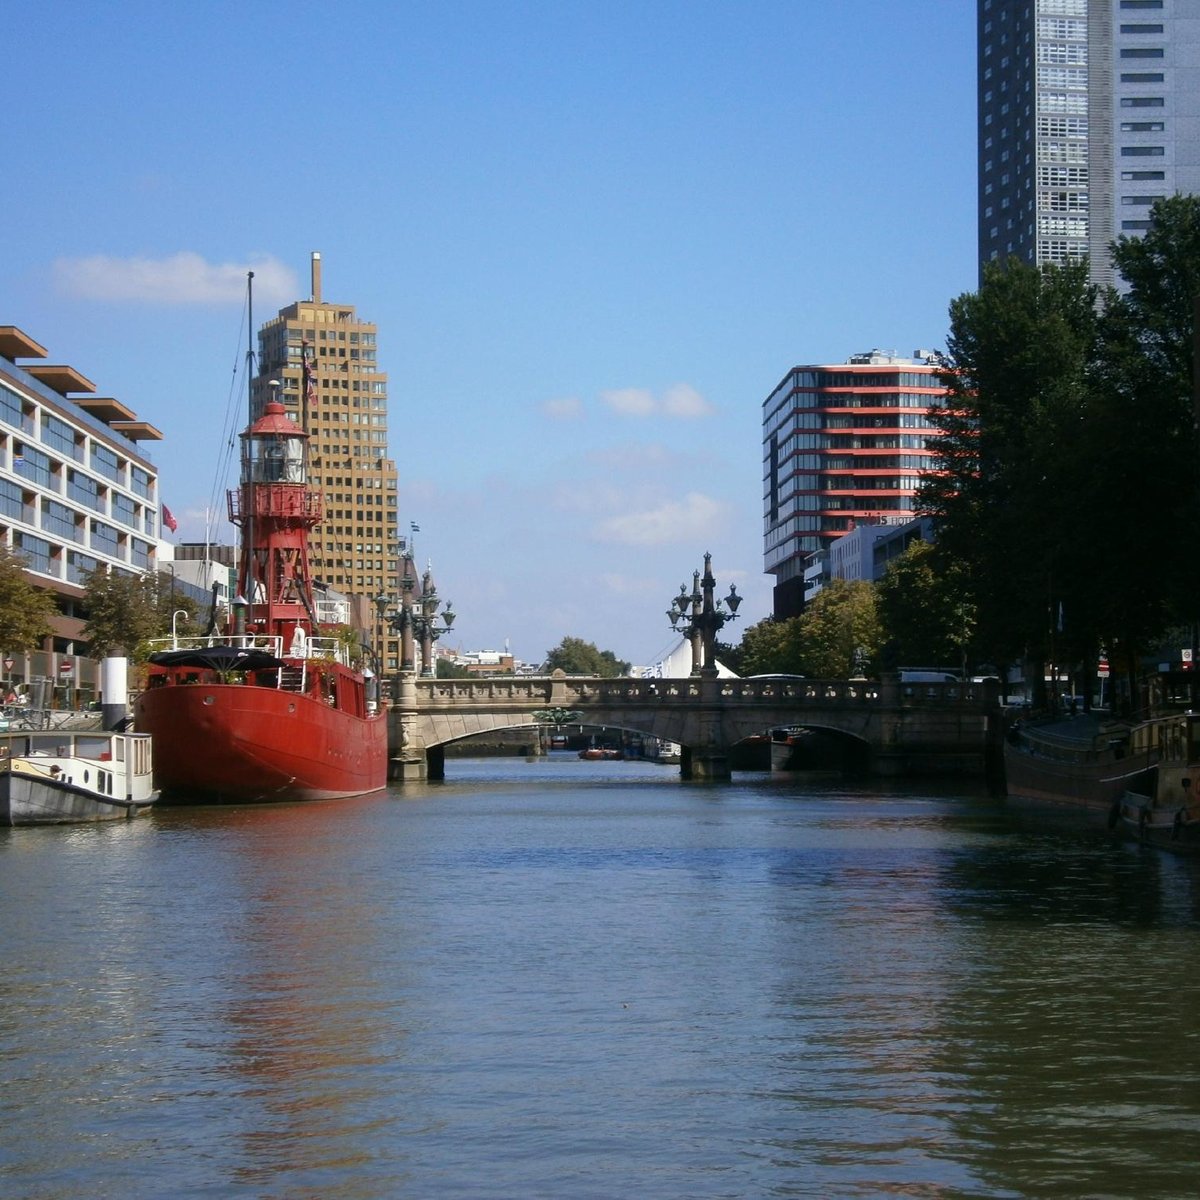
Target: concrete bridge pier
<point>704,765</point>
<point>706,756</point>
<point>408,761</point>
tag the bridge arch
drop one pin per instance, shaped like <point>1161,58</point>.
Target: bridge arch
<point>706,715</point>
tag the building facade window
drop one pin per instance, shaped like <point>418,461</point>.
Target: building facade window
<point>36,551</point>
<point>106,462</point>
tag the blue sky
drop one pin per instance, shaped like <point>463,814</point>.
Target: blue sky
<point>594,236</point>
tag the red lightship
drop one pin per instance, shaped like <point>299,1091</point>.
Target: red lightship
<point>271,708</point>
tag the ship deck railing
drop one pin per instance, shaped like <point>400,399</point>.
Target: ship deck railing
<point>303,648</point>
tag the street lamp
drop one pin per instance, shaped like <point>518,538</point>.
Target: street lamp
<point>703,617</point>
<point>414,619</point>
<point>179,612</point>
<point>424,621</point>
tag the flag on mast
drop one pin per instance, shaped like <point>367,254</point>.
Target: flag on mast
<point>168,520</point>
<point>310,376</point>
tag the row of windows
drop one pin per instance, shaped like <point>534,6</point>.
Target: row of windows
<point>870,483</point>
<point>877,400</point>
<point>63,438</point>
<point>877,442</point>
<point>1063,31</point>
<point>1070,202</point>
<point>901,421</point>
<point>1062,54</point>
<point>295,334</point>
<point>1049,226</point>
<point>1062,102</point>
<point>1062,127</point>
<point>47,559</point>
<point>38,467</point>
<point>1061,77</point>
<point>863,379</point>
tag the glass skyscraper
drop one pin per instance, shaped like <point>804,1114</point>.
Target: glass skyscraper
<point>1089,111</point>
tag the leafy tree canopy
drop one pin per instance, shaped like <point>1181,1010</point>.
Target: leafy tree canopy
<point>125,610</point>
<point>925,608</point>
<point>840,632</point>
<point>1065,481</point>
<point>25,611</point>
<point>574,656</point>
<point>771,647</point>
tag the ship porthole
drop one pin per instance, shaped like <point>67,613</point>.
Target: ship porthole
<point>209,699</point>
<point>291,708</point>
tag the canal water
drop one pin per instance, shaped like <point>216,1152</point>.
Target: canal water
<point>563,979</point>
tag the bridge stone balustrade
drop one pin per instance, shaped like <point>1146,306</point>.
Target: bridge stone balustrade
<point>908,728</point>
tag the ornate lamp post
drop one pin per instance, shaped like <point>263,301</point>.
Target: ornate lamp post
<point>415,617</point>
<point>703,617</point>
<point>424,618</point>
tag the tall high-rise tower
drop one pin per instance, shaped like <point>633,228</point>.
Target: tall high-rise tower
<point>324,358</point>
<point>1089,111</point>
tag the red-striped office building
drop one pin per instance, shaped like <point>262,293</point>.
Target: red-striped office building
<point>843,445</point>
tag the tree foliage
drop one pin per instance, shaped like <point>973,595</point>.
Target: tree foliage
<point>125,610</point>
<point>25,611</point>
<point>1008,485</point>
<point>926,609</point>
<point>771,647</point>
<point>574,656</point>
<point>840,632</point>
<point>1066,483</point>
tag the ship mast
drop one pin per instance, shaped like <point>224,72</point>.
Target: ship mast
<point>275,509</point>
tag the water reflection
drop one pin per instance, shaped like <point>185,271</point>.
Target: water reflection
<point>579,980</point>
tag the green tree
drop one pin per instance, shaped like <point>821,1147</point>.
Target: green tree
<point>1143,438</point>
<point>123,610</point>
<point>925,608</point>
<point>574,656</point>
<point>448,669</point>
<point>1013,488</point>
<point>25,611</point>
<point>840,631</point>
<point>771,647</point>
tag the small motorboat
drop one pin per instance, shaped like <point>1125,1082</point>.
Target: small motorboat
<point>53,777</point>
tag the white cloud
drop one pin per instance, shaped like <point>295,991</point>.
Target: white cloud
<point>679,400</point>
<point>675,521</point>
<point>682,400</point>
<point>567,408</point>
<point>183,278</point>
<point>633,402</point>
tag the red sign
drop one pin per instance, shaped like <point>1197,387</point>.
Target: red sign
<point>65,668</point>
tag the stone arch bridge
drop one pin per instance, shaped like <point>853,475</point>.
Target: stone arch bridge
<point>907,728</point>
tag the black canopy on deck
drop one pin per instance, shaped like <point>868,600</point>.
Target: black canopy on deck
<point>217,658</point>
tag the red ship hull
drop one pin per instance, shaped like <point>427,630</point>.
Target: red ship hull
<point>220,743</point>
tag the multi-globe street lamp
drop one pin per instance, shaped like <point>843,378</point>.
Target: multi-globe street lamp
<point>414,616</point>
<point>703,617</point>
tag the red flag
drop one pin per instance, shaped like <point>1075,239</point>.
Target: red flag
<point>168,520</point>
